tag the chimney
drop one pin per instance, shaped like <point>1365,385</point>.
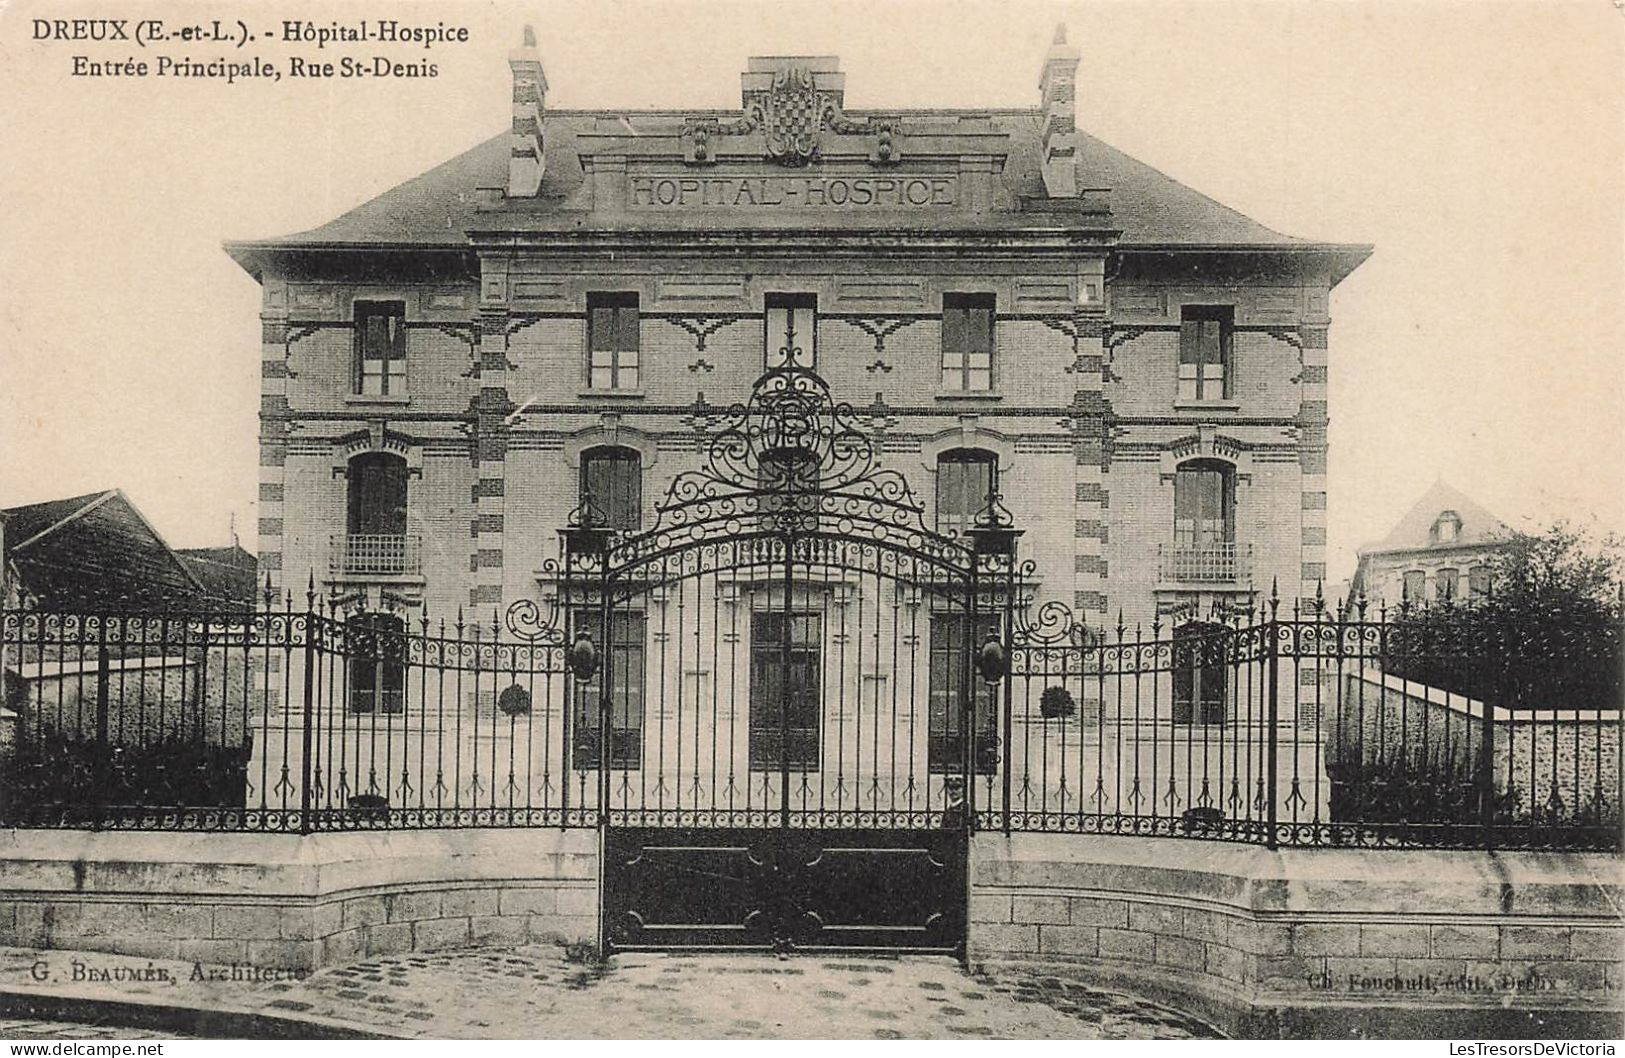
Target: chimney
<point>526,162</point>
<point>1057,88</point>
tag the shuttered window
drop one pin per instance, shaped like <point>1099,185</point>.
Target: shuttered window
<point>1204,352</point>
<point>967,342</point>
<point>1204,514</point>
<point>1445,584</point>
<point>376,497</point>
<point>948,683</point>
<point>612,488</point>
<point>380,348</point>
<point>965,478</point>
<point>624,656</point>
<point>613,337</point>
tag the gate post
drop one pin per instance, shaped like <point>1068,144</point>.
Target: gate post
<point>310,706</point>
<point>967,709</point>
<point>1271,630</point>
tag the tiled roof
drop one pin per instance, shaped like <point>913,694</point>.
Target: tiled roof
<point>1415,530</point>
<point>28,521</point>
<point>91,551</point>
<point>226,573</point>
<point>434,209</point>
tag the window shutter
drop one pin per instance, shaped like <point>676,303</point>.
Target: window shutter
<point>626,332</point>
<point>1190,341</point>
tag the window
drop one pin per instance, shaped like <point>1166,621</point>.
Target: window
<point>967,342</point>
<point>1204,506</point>
<point>1204,352</point>
<point>612,488</point>
<point>1199,673</point>
<point>377,658</point>
<point>380,348</point>
<point>785,691</point>
<point>624,658</point>
<point>1415,589</point>
<point>945,739</point>
<point>1478,582</point>
<point>792,324</point>
<point>1445,584</point>
<point>1446,528</point>
<point>965,480</point>
<point>376,495</point>
<point>612,341</point>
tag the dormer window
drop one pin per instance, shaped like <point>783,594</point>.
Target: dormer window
<point>1446,528</point>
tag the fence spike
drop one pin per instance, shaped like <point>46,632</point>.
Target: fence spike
<point>310,591</point>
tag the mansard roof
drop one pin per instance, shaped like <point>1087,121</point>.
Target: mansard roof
<point>1151,211</point>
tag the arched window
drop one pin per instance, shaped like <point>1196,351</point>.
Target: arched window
<point>966,478</point>
<point>1204,521</point>
<point>612,488</point>
<point>1415,586</point>
<point>375,518</point>
<point>377,659</point>
<point>1446,527</point>
<point>1445,584</point>
<point>1478,581</point>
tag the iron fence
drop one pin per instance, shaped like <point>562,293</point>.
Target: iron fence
<point>1300,728</point>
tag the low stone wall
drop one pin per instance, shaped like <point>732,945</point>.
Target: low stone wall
<point>1566,758</point>
<point>1315,942</point>
<point>290,902</point>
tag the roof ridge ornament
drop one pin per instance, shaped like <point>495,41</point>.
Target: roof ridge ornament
<point>792,114</point>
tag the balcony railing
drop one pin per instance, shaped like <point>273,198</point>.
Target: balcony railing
<point>375,554</point>
<point>1205,564</point>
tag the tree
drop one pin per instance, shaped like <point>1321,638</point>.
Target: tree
<point>1546,636</point>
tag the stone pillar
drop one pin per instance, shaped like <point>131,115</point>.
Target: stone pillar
<point>491,438</point>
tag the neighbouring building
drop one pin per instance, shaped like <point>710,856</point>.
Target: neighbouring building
<point>1444,548</point>
<point>98,551</point>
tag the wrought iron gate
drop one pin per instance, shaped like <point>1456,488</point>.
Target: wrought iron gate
<point>784,689</point>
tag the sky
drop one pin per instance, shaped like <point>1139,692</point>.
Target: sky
<point>1479,146</point>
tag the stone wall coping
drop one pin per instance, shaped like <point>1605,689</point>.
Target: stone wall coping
<point>1472,707</point>
<point>1257,880</point>
<point>285,865</point>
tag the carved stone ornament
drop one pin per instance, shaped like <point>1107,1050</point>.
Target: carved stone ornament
<point>792,115</point>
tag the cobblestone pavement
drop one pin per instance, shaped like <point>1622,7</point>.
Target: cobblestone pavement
<point>538,992</point>
<point>14,1029</point>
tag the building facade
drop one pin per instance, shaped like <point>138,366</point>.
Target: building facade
<point>1443,549</point>
<point>1006,301</point>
